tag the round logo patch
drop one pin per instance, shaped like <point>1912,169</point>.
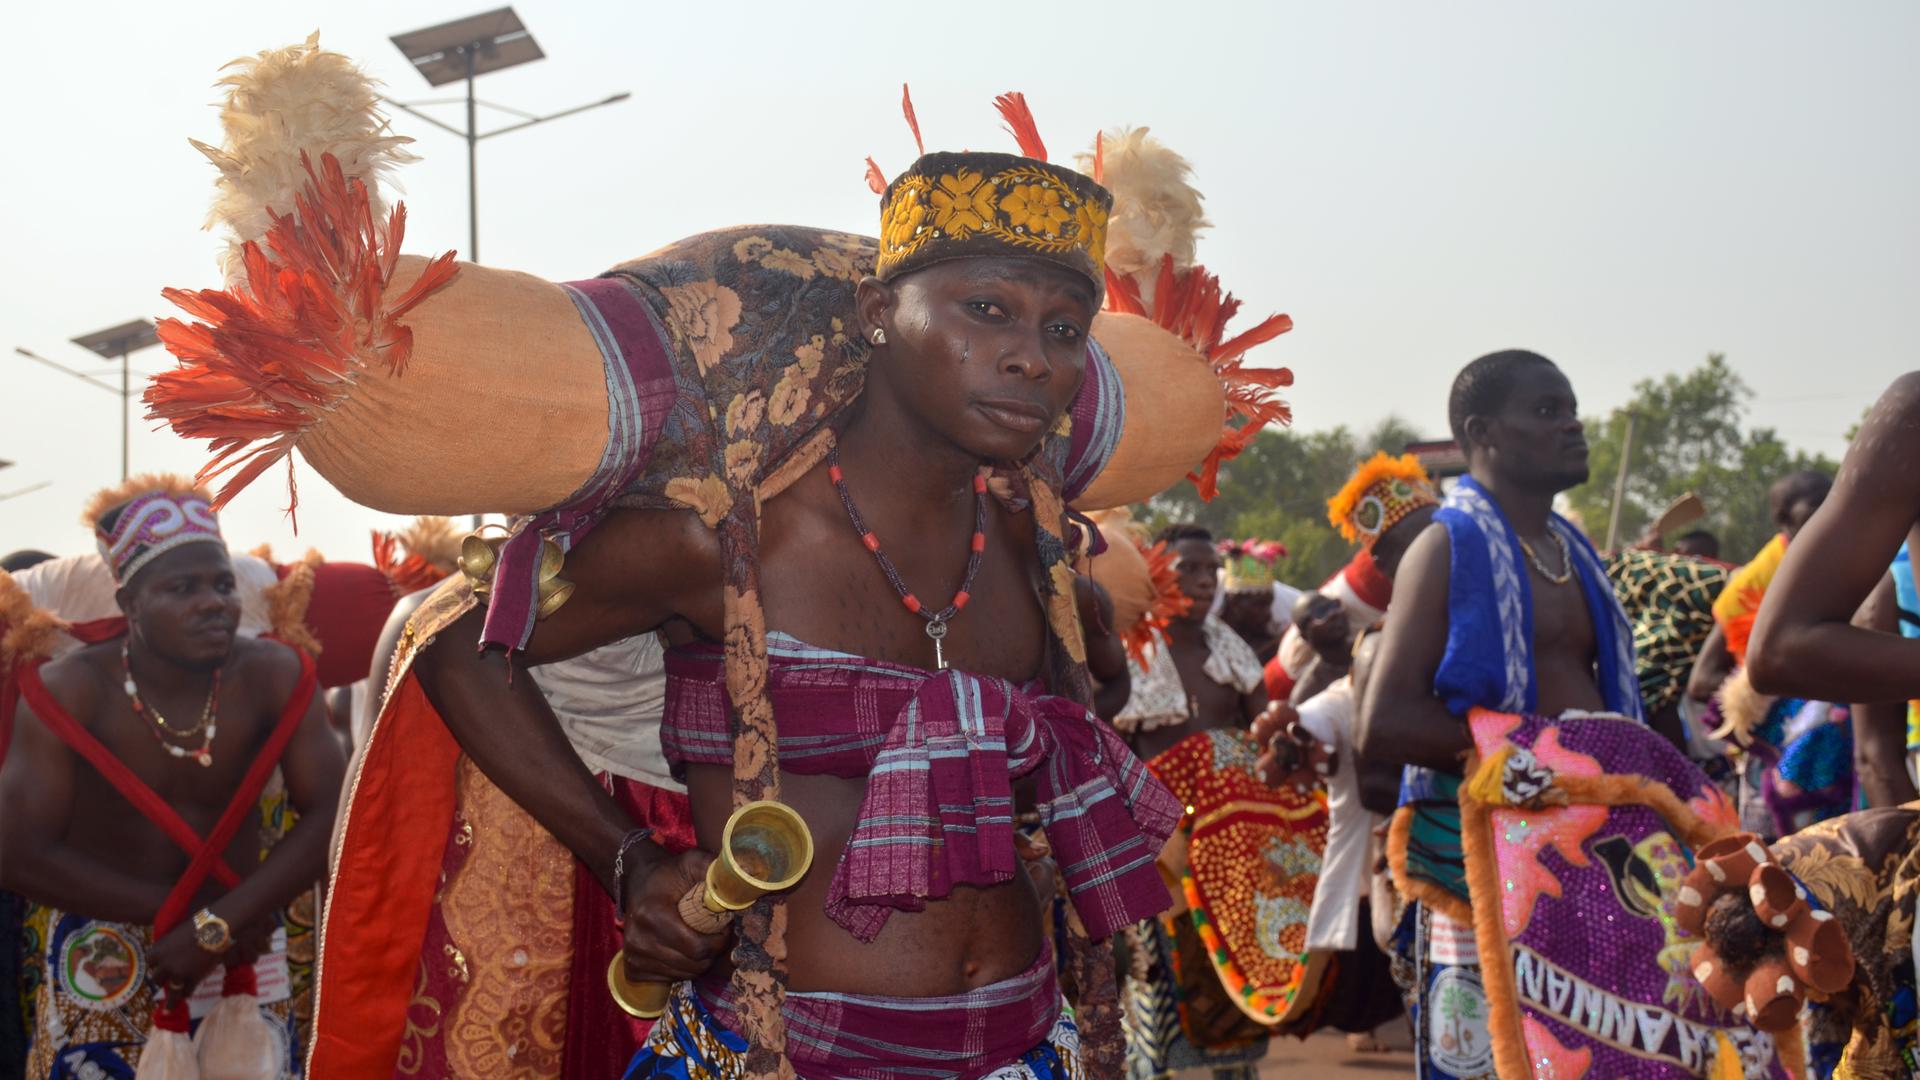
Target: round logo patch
<point>1457,1037</point>
<point>101,966</point>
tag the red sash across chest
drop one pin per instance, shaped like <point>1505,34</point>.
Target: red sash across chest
<point>205,852</point>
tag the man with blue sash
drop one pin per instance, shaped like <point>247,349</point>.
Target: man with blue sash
<point>1501,605</point>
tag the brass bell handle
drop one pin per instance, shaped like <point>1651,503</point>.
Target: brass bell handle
<point>766,848</point>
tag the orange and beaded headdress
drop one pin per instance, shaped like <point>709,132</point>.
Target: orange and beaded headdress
<point>1381,493</point>
<point>967,205</point>
<point>147,516</point>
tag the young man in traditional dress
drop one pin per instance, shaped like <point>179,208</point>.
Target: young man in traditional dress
<point>977,354</point>
<point>1446,650</point>
<point>1383,507</point>
<point>130,799</point>
<point>1203,675</point>
<point>1199,677</point>
<point>777,426</point>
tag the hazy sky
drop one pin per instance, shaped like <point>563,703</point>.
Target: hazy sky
<point>1624,186</point>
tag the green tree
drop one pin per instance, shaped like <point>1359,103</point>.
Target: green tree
<point>1689,435</point>
<point>1278,490</point>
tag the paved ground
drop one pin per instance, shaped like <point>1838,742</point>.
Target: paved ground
<point>1326,1055</point>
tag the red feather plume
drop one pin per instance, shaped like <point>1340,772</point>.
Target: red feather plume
<point>1191,305</point>
<point>271,355</point>
<point>906,106</point>
<point>1013,107</point>
<point>1169,603</point>
<point>406,574</point>
<point>876,180</point>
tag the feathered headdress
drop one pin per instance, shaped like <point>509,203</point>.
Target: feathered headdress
<point>419,555</point>
<point>27,632</point>
<point>1139,578</point>
<point>1155,275</point>
<point>1379,494</point>
<point>1156,209</point>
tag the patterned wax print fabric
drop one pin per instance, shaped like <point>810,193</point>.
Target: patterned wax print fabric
<point>95,1006</point>
<point>1585,970</point>
<point>1864,868</point>
<point>1668,599</point>
<point>1176,1013</point>
<point>1160,699</point>
<point>1439,975</point>
<point>511,981</point>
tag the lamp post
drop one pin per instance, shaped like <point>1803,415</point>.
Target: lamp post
<point>115,342</point>
<point>465,49</point>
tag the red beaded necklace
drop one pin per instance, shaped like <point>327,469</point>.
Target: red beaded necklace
<point>936,620</point>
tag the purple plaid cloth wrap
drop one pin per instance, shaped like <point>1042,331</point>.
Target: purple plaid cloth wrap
<point>640,391</point>
<point>953,1037</point>
<point>940,751</point>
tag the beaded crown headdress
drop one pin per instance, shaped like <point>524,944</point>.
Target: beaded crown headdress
<point>145,518</point>
<point>1380,493</point>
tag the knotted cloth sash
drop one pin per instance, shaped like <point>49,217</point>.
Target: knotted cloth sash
<point>952,1037</point>
<point>940,751</point>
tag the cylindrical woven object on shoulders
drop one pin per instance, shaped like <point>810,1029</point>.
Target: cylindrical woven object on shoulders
<point>1175,409</point>
<point>502,407</point>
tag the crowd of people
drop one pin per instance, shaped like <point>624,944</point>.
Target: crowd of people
<point>823,712</point>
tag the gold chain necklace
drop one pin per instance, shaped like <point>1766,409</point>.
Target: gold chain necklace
<point>161,729</point>
<point>1566,559</point>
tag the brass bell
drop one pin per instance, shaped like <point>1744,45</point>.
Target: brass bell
<point>551,559</point>
<point>554,592</point>
<point>479,553</point>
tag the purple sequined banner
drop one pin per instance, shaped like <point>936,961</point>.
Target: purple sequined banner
<point>1600,971</point>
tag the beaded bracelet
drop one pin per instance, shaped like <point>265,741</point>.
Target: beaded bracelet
<point>620,870</point>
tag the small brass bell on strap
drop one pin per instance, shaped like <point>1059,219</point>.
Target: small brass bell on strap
<point>553,590</point>
<point>480,557</point>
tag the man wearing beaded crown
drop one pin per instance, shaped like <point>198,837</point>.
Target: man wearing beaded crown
<point>1499,604</point>
<point>130,798</point>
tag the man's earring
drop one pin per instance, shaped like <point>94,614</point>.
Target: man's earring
<point>879,337</point>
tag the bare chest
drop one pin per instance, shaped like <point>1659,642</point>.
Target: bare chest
<point>821,584</point>
<point>105,814</point>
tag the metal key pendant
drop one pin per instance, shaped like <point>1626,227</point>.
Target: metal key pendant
<point>937,629</point>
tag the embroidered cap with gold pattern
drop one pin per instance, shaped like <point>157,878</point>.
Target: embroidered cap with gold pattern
<point>973,205</point>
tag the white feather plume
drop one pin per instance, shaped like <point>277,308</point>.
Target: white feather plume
<point>279,103</point>
<point>1156,209</point>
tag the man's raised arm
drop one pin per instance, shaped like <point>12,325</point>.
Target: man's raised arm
<point>1804,642</point>
<point>1401,722</point>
